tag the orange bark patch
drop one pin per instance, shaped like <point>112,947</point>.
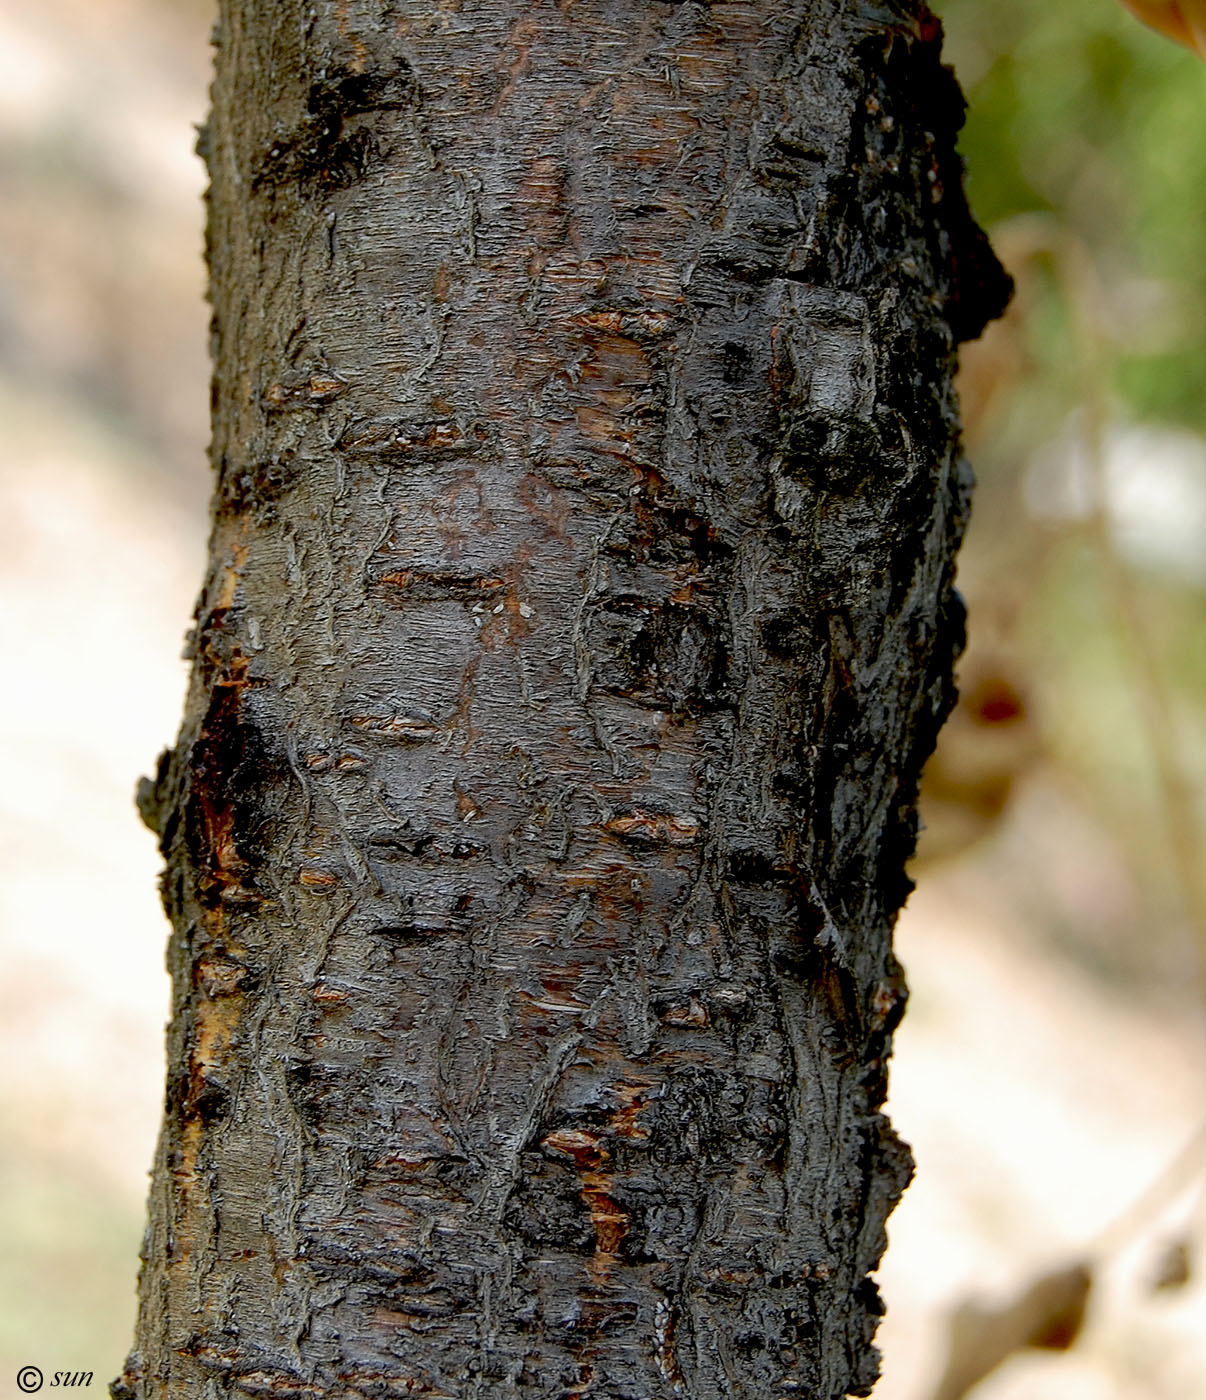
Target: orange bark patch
<point>617,371</point>
<point>214,1024</point>
<point>185,1172</point>
<point>273,1383</point>
<point>546,503</point>
<point>468,808</point>
<point>410,729</point>
<point>325,995</point>
<point>214,1027</point>
<point>459,586</point>
<point>542,198</point>
<point>617,363</point>
<point>624,1120</point>
<point>314,879</point>
<point>228,581</point>
<point>463,715</point>
<point>653,828</point>
<point>315,389</point>
<point>625,324</point>
<point>519,42</point>
<point>609,1219</point>
<point>219,977</point>
<point>587,1151</point>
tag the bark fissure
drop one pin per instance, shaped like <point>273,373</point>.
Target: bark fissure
<point>579,615</point>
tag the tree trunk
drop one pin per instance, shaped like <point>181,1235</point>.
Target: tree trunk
<point>578,618</point>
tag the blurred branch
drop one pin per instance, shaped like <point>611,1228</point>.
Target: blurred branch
<point>1049,1311</point>
<point>1176,1178</point>
<point>1041,235</point>
<point>1083,294</point>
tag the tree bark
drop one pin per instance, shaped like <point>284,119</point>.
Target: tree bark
<point>579,615</point>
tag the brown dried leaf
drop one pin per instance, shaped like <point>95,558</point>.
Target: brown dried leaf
<point>1048,1314</point>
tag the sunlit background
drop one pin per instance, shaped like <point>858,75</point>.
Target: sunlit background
<point>1049,1072</point>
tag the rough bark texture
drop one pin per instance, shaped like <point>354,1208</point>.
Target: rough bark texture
<point>579,616</point>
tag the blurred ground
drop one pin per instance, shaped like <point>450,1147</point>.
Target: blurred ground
<point>1050,1063</point>
<point>103,389</point>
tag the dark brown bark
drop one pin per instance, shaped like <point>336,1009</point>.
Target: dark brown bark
<point>579,616</point>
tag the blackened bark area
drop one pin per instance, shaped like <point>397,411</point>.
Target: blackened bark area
<point>578,619</point>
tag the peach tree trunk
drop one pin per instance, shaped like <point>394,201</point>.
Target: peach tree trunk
<point>578,618</point>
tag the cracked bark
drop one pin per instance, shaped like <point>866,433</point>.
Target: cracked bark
<point>579,615</point>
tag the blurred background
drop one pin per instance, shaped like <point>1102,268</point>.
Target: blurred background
<point>1050,1068</point>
